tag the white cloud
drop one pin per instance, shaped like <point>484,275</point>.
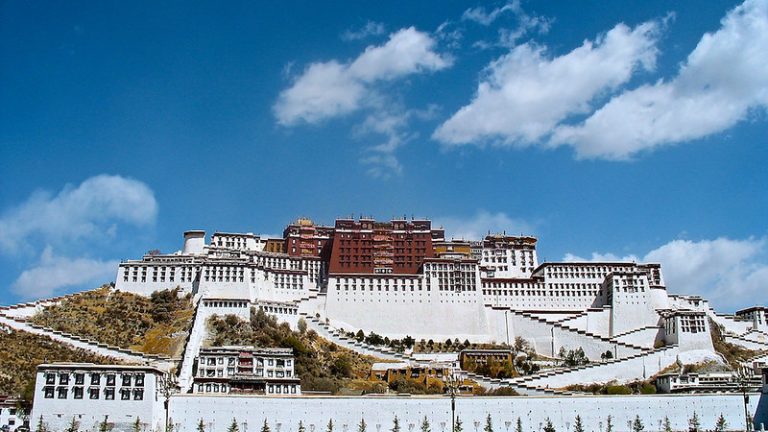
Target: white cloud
<point>483,17</point>
<point>331,89</point>
<point>721,82</point>
<point>88,211</point>
<point>369,29</point>
<point>476,227</point>
<point>730,273</point>
<point>53,273</point>
<point>526,93</point>
<point>507,37</point>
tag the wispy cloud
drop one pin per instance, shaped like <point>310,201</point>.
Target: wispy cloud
<point>525,23</point>
<point>53,273</point>
<point>486,17</point>
<point>370,28</point>
<point>77,219</point>
<point>526,93</point>
<point>91,210</point>
<point>730,273</point>
<point>478,225</point>
<point>333,89</point>
<point>723,79</point>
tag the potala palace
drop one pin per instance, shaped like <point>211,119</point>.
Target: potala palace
<point>404,278</point>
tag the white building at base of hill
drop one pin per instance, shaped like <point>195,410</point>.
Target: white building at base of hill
<point>90,394</point>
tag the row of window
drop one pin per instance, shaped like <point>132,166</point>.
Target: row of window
<point>93,393</point>
<point>211,373</point>
<point>231,361</point>
<point>79,378</point>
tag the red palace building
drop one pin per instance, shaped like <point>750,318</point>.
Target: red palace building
<point>367,246</point>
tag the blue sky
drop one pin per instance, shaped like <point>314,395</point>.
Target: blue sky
<point>611,130</point>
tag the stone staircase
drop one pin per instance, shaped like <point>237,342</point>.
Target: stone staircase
<point>18,324</point>
<point>341,339</point>
<point>597,369</point>
<point>579,331</point>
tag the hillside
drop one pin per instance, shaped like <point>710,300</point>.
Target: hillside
<point>154,325</point>
<point>23,352</point>
<point>321,365</point>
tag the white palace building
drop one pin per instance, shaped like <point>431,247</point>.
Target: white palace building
<point>404,278</point>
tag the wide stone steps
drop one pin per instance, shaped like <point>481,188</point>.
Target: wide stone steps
<point>578,331</point>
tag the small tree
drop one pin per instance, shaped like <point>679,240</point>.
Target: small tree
<point>637,425</point>
<point>302,325</point>
<point>264,427</point>
<point>519,425</point>
<point>104,426</point>
<point>362,426</point>
<point>329,428</point>
<point>74,426</point>
<point>458,426</point>
<point>694,422</point>
<point>578,426</point>
<point>301,426</point>
<point>721,424</point>
<point>549,427</point>
<point>395,425</point>
<point>488,424</point>
<point>425,425</point>
<point>667,425</point>
<point>609,424</point>
<point>41,427</point>
<point>136,425</point>
<point>233,427</point>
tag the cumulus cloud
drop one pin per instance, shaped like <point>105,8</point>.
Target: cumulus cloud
<point>730,273</point>
<point>526,93</point>
<point>331,89</point>
<point>90,210</point>
<point>53,273</point>
<point>369,29</point>
<point>723,79</point>
<point>477,226</point>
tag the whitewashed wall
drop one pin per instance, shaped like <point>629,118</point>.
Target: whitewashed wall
<point>283,414</point>
<point>421,314</point>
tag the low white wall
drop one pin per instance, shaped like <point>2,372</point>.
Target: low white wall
<point>283,414</point>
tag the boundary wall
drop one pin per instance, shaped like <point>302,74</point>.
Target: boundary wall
<point>284,413</point>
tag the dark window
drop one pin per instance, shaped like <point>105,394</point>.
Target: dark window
<point>62,392</point>
<point>140,379</point>
<point>110,379</point>
<point>93,393</point>
<point>95,379</point>
<point>64,378</point>
<point>138,394</point>
<point>109,394</point>
<point>48,392</point>
<point>77,392</point>
<point>50,379</point>
<point>127,380</point>
<point>79,378</point>
<point>125,394</point>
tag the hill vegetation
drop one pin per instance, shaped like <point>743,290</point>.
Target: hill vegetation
<point>320,364</point>
<point>154,325</point>
<point>21,354</point>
